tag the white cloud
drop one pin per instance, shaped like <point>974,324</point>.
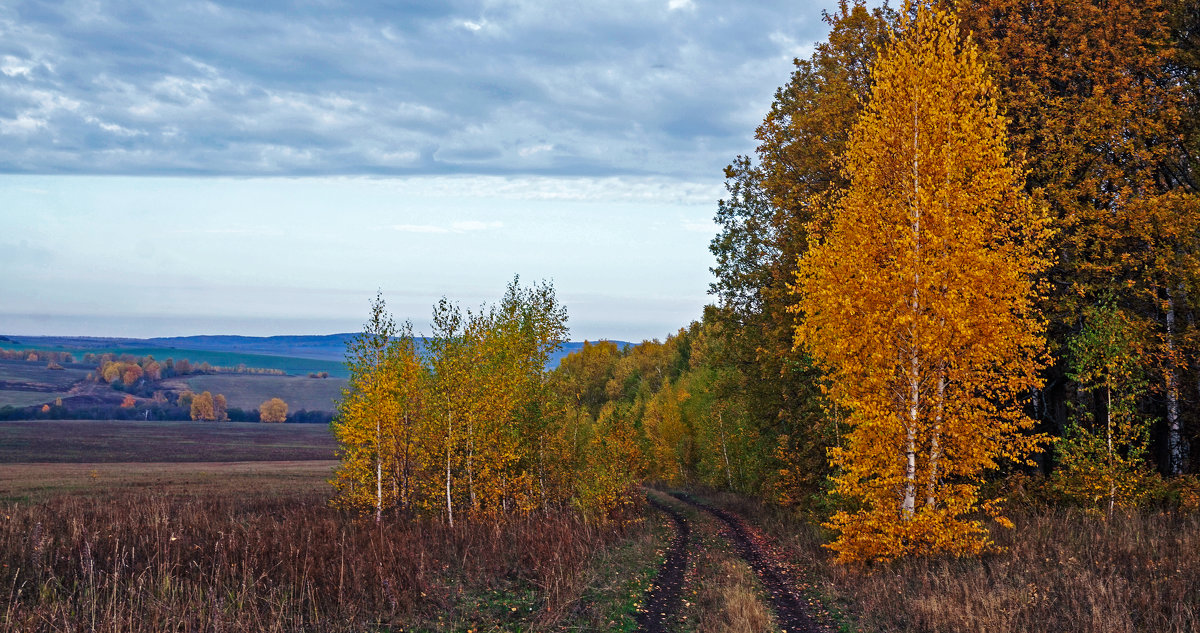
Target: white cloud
<point>13,66</point>
<point>675,5</point>
<point>526,152</point>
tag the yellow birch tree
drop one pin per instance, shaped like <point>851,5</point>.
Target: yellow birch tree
<point>917,301</point>
<point>367,416</point>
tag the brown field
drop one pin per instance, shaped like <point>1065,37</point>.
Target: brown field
<point>260,479</point>
<point>248,391</point>
<point>90,441</point>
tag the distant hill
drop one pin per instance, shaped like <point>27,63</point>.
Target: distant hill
<point>324,348</point>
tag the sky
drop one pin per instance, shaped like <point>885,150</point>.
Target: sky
<point>264,168</point>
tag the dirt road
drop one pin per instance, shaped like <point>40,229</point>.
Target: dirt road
<point>661,601</point>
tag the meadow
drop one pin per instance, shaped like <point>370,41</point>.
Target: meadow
<point>1060,569</point>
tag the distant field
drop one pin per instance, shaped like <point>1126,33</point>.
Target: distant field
<point>90,441</point>
<point>35,373</point>
<point>291,365</point>
<point>16,398</point>
<point>245,480</point>
<point>24,383</point>
<point>247,391</point>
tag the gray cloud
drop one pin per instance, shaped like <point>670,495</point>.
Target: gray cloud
<point>325,87</point>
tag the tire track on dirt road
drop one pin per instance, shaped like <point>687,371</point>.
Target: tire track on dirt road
<point>789,606</point>
<point>661,602</point>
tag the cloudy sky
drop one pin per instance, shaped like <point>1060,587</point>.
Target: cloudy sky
<point>261,168</point>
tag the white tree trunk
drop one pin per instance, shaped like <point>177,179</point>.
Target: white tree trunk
<point>449,436</point>
<point>1174,425</point>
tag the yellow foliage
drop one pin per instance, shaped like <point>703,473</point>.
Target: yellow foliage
<point>917,300</point>
<point>273,410</point>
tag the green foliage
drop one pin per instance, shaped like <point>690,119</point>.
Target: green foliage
<point>1102,456</point>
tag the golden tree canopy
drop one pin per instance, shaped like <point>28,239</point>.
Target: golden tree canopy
<point>917,300</point>
<point>273,410</point>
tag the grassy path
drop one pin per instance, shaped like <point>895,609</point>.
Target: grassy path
<point>791,612</point>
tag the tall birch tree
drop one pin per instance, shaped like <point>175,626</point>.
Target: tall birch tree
<point>918,301</point>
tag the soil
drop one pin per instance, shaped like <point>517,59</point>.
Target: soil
<point>661,601</point>
<point>789,606</point>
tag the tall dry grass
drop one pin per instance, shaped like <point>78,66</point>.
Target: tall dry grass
<point>152,562</point>
<point>1061,569</point>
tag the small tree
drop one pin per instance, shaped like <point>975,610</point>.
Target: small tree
<point>1103,457</point>
<point>220,408</point>
<point>202,407</point>
<point>273,410</point>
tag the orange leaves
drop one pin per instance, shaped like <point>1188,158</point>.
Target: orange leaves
<point>919,302</point>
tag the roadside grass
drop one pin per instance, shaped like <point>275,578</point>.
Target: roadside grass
<point>1061,569</point>
<point>616,579</point>
<point>122,441</point>
<point>248,391</point>
<point>721,592</point>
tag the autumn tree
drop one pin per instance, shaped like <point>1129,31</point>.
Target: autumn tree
<point>1101,102</point>
<point>375,413</point>
<point>917,300</point>
<point>273,410</point>
<point>202,407</point>
<point>771,200</point>
<point>220,408</point>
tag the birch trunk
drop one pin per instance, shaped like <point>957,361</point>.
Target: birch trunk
<point>1174,426</point>
<point>935,448</point>
<point>378,471</point>
<point>909,504</point>
<point>449,436</point>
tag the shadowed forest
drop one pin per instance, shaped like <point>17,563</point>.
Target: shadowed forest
<point>949,381</point>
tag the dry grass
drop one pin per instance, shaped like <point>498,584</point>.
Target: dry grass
<point>150,561</point>
<point>1064,571</point>
<point>1061,570</point>
<point>731,600</point>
